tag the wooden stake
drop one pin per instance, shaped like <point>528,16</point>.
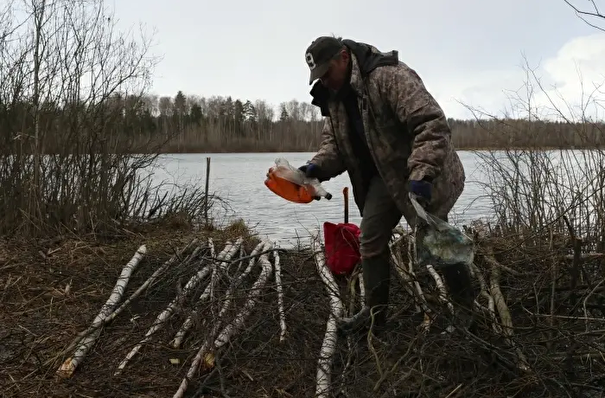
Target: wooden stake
<point>207,188</point>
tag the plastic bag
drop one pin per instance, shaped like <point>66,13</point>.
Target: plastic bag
<point>291,183</point>
<point>443,244</point>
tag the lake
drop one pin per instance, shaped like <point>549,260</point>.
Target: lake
<point>239,180</point>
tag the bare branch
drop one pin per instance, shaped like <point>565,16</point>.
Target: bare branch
<point>593,14</point>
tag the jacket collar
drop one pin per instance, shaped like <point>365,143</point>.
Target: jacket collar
<point>356,80</point>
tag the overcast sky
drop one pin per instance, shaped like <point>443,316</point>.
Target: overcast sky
<point>464,50</point>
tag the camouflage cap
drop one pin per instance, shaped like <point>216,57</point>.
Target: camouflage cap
<point>319,54</point>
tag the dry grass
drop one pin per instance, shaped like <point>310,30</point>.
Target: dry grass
<point>562,343</point>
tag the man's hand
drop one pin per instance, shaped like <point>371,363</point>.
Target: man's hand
<point>311,171</point>
<point>422,189</point>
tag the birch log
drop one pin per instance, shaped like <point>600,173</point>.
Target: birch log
<point>121,308</point>
<point>153,278</point>
<point>280,297</point>
<point>68,367</point>
<point>237,323</point>
<point>326,354</point>
<point>240,278</point>
<point>505,317</point>
<point>362,290</point>
<point>491,307</point>
<point>404,274</point>
<point>168,312</point>
<point>220,265</point>
<point>409,278</point>
<point>441,287</point>
<point>227,332</point>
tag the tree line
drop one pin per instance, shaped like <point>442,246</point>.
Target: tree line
<point>181,124</point>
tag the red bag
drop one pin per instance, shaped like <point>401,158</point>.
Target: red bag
<point>341,247</point>
<point>341,243</point>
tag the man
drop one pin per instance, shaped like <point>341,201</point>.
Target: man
<point>389,133</point>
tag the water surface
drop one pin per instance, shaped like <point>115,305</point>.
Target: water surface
<point>239,179</point>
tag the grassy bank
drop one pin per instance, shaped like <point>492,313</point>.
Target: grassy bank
<point>52,290</point>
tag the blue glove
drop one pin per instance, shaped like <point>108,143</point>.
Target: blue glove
<point>311,170</point>
<point>422,189</point>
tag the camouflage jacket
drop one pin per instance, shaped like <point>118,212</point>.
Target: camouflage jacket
<point>405,128</point>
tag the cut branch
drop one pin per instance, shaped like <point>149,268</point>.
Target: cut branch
<point>69,366</point>
<point>205,353</point>
<point>174,306</point>
<point>219,266</point>
<point>326,354</point>
<point>280,297</point>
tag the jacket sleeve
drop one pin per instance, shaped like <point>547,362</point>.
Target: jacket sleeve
<point>328,158</point>
<point>416,108</point>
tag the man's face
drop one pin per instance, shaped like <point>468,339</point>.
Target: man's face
<point>336,75</point>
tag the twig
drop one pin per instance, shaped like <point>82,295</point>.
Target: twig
<point>577,253</point>
<point>586,314</point>
<point>455,390</point>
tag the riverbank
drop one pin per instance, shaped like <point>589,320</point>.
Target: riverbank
<point>53,289</point>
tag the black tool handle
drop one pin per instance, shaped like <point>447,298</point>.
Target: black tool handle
<point>345,192</point>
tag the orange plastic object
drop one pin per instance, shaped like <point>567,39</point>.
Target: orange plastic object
<point>286,189</point>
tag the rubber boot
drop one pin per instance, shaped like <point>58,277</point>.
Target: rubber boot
<point>459,283</point>
<point>376,281</point>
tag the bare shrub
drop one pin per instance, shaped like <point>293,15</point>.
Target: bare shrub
<point>71,104</point>
<point>535,187</point>
<point>542,252</point>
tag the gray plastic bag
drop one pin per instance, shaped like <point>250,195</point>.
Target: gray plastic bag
<point>443,245</point>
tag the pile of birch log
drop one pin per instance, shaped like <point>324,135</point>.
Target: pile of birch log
<point>209,271</point>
